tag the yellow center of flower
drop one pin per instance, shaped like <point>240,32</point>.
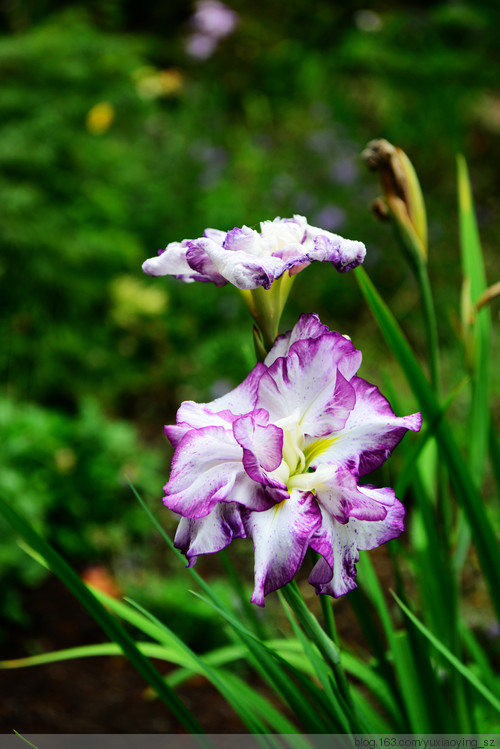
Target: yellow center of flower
<point>294,469</point>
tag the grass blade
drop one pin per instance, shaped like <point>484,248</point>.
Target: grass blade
<point>407,671</point>
<point>495,456</point>
<point>100,649</point>
<point>108,623</point>
<point>381,691</point>
<point>23,739</point>
<point>316,634</point>
<point>267,663</point>
<point>479,656</point>
<point>463,484</point>
<point>242,709</point>
<point>277,671</point>
<point>473,271</point>
<point>455,662</point>
<point>320,669</point>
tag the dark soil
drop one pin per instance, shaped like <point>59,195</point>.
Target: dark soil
<point>91,695</point>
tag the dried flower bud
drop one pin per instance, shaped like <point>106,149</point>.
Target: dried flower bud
<point>402,194</point>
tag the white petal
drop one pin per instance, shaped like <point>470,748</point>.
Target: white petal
<point>244,270</point>
<point>308,379</point>
<point>207,468</point>
<point>209,534</point>
<point>370,433</point>
<point>172,262</point>
<point>281,536</point>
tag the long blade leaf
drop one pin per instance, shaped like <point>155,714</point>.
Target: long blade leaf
<point>463,484</point>
<point>473,271</point>
<point>458,665</point>
<point>108,623</point>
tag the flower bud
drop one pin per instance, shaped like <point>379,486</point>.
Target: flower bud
<point>402,198</point>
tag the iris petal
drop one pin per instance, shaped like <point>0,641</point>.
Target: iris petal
<point>250,259</point>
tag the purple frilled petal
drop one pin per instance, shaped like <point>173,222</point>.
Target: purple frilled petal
<point>308,326</point>
<point>241,268</point>
<point>207,468</point>
<point>211,533</point>
<point>370,433</point>
<point>310,378</point>
<point>250,259</point>
<point>344,254</point>
<point>281,536</point>
<point>241,240</point>
<point>339,543</point>
<point>343,499</point>
<point>262,445</point>
<point>173,262</point>
<point>341,354</point>
<point>220,412</point>
<point>201,263</point>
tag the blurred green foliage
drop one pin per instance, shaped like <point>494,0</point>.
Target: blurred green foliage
<point>114,142</point>
<point>67,476</point>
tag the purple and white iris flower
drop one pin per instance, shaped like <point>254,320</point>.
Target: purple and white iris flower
<point>279,458</point>
<point>250,259</point>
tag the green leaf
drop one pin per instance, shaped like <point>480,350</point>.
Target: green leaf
<point>306,703</point>
<point>380,690</point>
<point>246,694</point>
<point>197,663</point>
<point>404,662</point>
<point>494,455</point>
<point>108,623</point>
<point>370,714</point>
<point>150,649</point>
<point>406,475</point>
<point>479,656</point>
<point>463,484</point>
<point>325,645</point>
<point>455,662</point>
<point>268,664</point>
<point>26,740</point>
<point>473,271</point>
<point>269,714</point>
<point>320,669</point>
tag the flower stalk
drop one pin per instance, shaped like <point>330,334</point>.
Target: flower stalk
<point>266,307</point>
<point>326,646</point>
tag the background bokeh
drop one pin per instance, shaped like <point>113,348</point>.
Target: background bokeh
<point>122,130</point>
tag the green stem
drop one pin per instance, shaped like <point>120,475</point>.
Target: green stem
<point>327,609</point>
<point>430,325</point>
<point>266,306</point>
<point>266,313</point>
<point>326,646</point>
<point>329,619</point>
